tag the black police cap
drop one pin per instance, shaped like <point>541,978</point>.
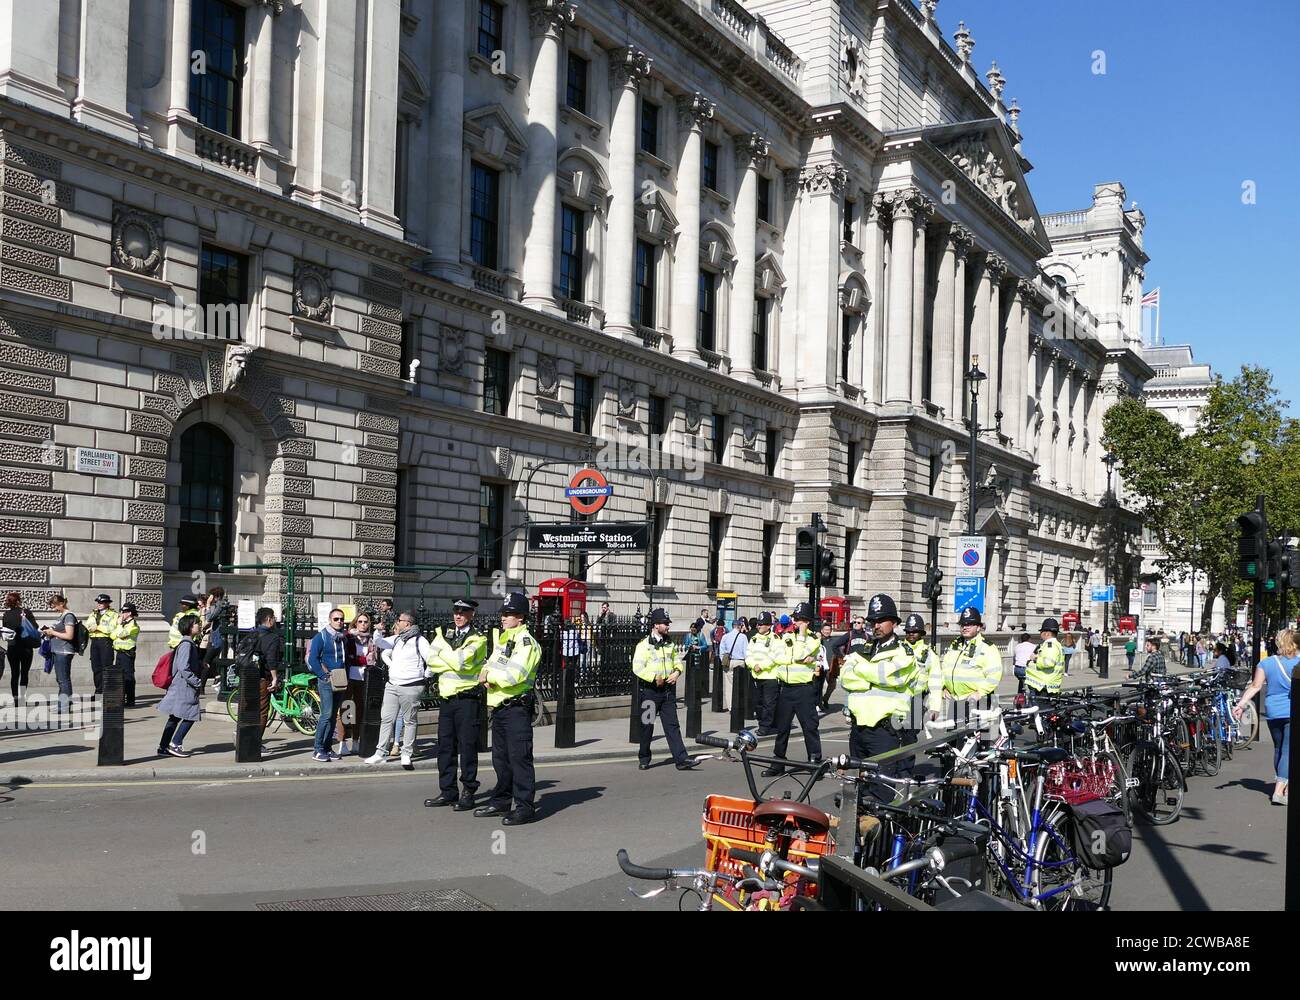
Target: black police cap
<point>464,604</point>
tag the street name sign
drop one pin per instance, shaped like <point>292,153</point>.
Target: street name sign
<point>632,536</point>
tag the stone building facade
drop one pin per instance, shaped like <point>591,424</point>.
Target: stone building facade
<point>367,282</point>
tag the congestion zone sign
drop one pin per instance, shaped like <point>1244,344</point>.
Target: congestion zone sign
<point>588,490</point>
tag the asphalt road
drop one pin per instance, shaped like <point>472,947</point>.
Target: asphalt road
<point>236,844</point>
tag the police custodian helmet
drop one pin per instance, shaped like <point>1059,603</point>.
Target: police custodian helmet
<point>881,608</point>
<point>515,604</point>
<point>1050,625</point>
<point>969,616</point>
<point>660,617</point>
<point>803,612</point>
<point>915,623</point>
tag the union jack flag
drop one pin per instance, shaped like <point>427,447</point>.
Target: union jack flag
<point>1151,298</point>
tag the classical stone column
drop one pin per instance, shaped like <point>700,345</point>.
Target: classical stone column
<point>1018,336</point>
<point>263,70</point>
<point>628,67</point>
<point>692,112</point>
<point>547,20</point>
<point>751,150</point>
<point>444,144</point>
<point>178,70</point>
<point>921,216</point>
<point>962,241</point>
<point>996,269</point>
<point>1077,480</point>
<point>29,53</point>
<point>101,72</point>
<point>1061,465</point>
<point>979,333</point>
<point>379,176</point>
<point>1047,443</point>
<point>898,335</point>
<point>873,328</point>
<point>941,378</point>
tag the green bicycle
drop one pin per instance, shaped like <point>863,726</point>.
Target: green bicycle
<point>297,703</point>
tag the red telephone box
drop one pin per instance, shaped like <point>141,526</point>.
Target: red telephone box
<point>560,596</point>
<point>1070,621</point>
<point>835,610</point>
<point>1128,623</point>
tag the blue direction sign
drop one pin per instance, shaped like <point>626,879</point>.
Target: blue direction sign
<point>1103,593</point>
<point>968,592</point>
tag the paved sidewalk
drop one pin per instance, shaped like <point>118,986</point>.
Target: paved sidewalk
<point>70,755</point>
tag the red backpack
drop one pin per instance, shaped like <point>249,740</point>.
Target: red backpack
<point>162,671</point>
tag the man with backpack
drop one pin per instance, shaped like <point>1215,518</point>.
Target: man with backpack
<point>63,637</point>
<point>262,647</point>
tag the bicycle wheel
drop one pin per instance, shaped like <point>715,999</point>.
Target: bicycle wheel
<point>1159,793</point>
<point>232,705</point>
<point>305,710</point>
<point>1073,886</point>
<point>1119,791</point>
<point>1211,751</point>
<point>1180,744</point>
<point>1247,726</point>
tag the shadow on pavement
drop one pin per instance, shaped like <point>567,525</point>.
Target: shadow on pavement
<point>1172,870</point>
<point>46,752</point>
<point>1250,784</point>
<point>554,802</point>
<point>11,786</point>
<point>1227,851</point>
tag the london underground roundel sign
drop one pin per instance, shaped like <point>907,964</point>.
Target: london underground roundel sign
<point>588,490</point>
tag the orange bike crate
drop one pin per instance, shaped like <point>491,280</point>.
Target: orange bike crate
<point>729,822</point>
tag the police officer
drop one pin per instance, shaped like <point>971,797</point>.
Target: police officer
<point>126,630</point>
<point>100,624</point>
<point>796,694</point>
<point>971,668</point>
<point>657,664</point>
<point>925,655</point>
<point>764,653</point>
<point>1045,671</point>
<point>880,679</point>
<point>188,605</point>
<point>457,657</point>
<point>508,676</point>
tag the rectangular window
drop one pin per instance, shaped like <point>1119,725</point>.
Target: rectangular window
<point>855,459</point>
<point>573,227</point>
<point>765,199</point>
<point>645,283</point>
<point>491,528</point>
<point>850,222</point>
<point>850,554</point>
<point>706,319</point>
<point>223,293</point>
<point>717,536</point>
<point>649,127</point>
<point>409,348</point>
<point>658,425</point>
<point>846,345</point>
<point>936,469</point>
<point>484,215</point>
<point>489,28</point>
<point>575,92</point>
<point>658,518</point>
<point>402,514</point>
<point>402,142</point>
<point>773,449</point>
<point>761,306</point>
<point>217,30</point>
<point>584,403</point>
<point>709,166</point>
<point>496,382</point>
<point>719,437</point>
<point>770,535</point>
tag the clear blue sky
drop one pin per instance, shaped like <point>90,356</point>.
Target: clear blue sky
<point>1196,99</point>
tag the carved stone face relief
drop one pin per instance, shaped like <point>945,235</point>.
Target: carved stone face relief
<point>137,241</point>
<point>626,398</point>
<point>748,432</point>
<point>312,296</point>
<point>693,415</point>
<point>452,355</point>
<point>548,377</point>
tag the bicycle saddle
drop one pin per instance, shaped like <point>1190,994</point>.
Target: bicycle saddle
<point>800,813</point>
<point>1051,755</point>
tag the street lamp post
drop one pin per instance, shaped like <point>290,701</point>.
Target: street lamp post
<point>973,377</point>
<point>1103,667</point>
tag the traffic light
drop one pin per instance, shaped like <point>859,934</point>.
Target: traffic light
<point>932,585</point>
<point>827,559</point>
<point>805,543</point>
<point>1274,565</point>
<point>1291,569</point>
<point>1252,546</point>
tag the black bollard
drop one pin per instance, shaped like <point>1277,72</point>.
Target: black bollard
<point>1103,660</point>
<point>248,727</point>
<point>566,706</point>
<point>739,697</point>
<point>718,681</point>
<point>112,733</point>
<point>694,670</point>
<point>369,712</point>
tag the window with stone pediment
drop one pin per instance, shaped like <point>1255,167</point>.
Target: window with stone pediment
<point>656,234</point>
<point>492,156</point>
<point>584,194</point>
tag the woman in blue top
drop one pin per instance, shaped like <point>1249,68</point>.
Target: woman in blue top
<point>1276,672</point>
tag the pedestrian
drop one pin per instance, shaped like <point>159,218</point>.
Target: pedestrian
<point>265,648</point>
<point>784,624</point>
<point>1275,673</point>
<point>361,656</point>
<point>1153,669</point>
<point>18,648</point>
<point>971,668</point>
<point>1024,650</point>
<point>732,650</point>
<point>61,635</point>
<point>1222,664</point>
<point>1130,650</point>
<point>188,606</point>
<point>328,658</point>
<point>695,642</point>
<point>99,625</point>
<point>387,616</point>
<point>126,632</point>
<point>825,662</point>
<point>796,695</point>
<point>1200,651</point>
<point>1044,673</point>
<point>926,657</point>
<point>571,644</point>
<point>880,678</point>
<point>763,654</point>
<point>408,667</point>
<point>458,657</point>
<point>212,642</point>
<point>509,675</point>
<point>181,702</point>
<point>658,664</point>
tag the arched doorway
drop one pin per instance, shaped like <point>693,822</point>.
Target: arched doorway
<point>206,536</point>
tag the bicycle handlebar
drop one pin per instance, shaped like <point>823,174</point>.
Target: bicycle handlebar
<point>766,860</point>
<point>744,741</point>
<point>651,874</point>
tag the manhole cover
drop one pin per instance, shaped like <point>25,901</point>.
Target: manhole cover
<point>435,899</point>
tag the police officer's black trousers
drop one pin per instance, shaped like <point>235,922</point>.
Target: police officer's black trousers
<point>767,695</point>
<point>512,757</point>
<point>660,701</point>
<point>101,658</point>
<point>125,662</point>
<point>458,738</point>
<point>867,741</point>
<point>800,700</point>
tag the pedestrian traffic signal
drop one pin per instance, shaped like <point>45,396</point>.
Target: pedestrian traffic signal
<point>1252,546</point>
<point>805,545</point>
<point>1291,569</point>
<point>933,585</point>
<point>827,560</point>
<point>1274,565</point>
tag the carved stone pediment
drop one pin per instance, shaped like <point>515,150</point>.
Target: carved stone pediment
<point>974,157</point>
